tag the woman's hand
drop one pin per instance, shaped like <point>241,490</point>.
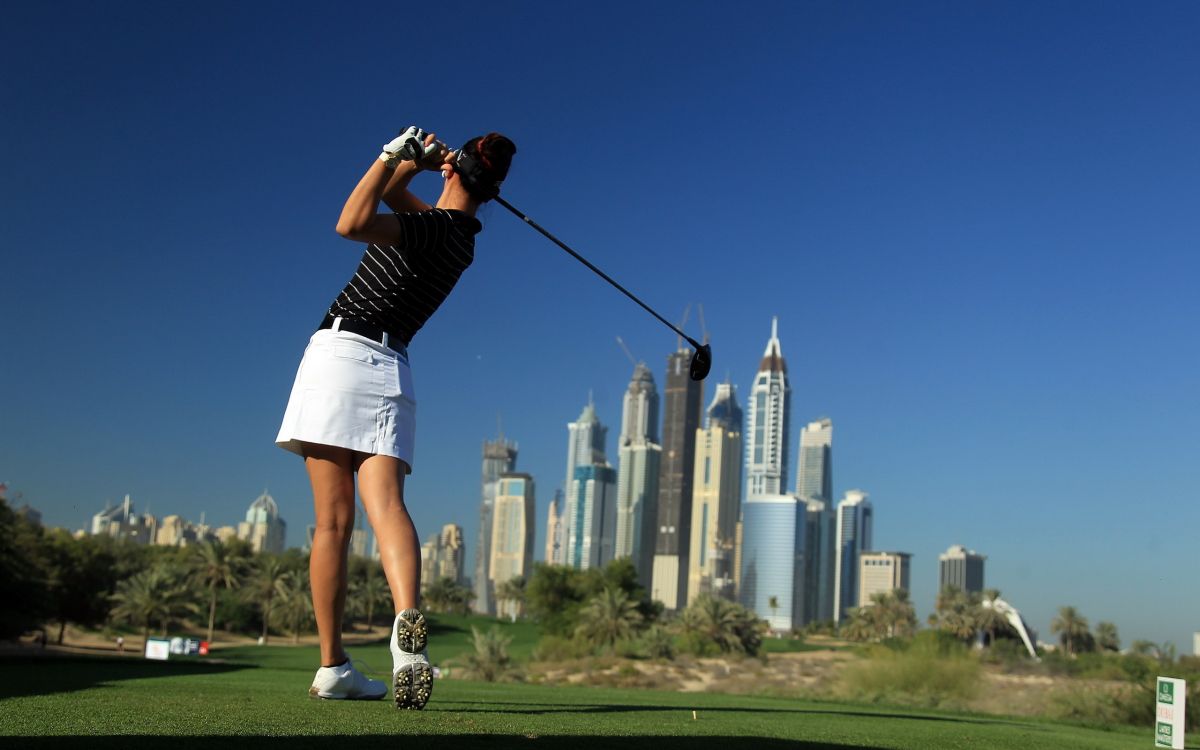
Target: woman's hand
<point>415,145</point>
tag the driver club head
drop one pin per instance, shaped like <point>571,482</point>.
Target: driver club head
<point>701,363</point>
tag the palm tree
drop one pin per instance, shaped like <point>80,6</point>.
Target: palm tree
<point>608,618</point>
<point>372,589</point>
<point>153,595</point>
<point>446,595</point>
<point>1071,626</point>
<point>1107,638</point>
<point>956,613</point>
<point>990,619</point>
<point>267,581</point>
<point>729,626</point>
<point>513,590</point>
<point>489,660</point>
<point>856,625</point>
<point>901,616</point>
<point>773,605</point>
<point>215,566</point>
<point>295,603</point>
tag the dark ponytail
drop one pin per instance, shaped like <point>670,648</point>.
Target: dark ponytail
<point>493,155</point>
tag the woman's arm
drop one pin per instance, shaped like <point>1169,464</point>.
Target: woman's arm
<point>397,195</point>
<point>360,220</point>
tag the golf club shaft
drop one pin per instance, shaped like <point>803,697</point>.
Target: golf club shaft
<point>601,274</point>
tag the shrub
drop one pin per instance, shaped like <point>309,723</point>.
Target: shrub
<point>558,648</point>
<point>930,672</point>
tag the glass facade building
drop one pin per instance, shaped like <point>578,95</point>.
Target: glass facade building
<point>773,538</point>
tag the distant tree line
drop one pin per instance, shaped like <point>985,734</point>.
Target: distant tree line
<point>52,578</point>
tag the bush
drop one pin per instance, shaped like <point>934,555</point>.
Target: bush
<point>558,648</point>
<point>931,671</point>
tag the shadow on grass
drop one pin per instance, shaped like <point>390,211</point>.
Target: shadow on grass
<point>47,675</point>
<point>456,741</point>
<point>538,708</point>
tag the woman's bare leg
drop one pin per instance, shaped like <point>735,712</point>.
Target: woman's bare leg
<point>381,485</point>
<point>331,472</point>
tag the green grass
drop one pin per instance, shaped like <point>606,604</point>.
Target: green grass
<point>794,645</point>
<point>182,704</point>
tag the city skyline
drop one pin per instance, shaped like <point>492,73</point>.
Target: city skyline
<point>975,224</point>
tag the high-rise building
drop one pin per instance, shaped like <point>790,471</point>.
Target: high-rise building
<point>586,439</point>
<point>639,456</point>
<point>264,528</point>
<point>442,556</point>
<point>767,425</point>
<point>555,546</point>
<point>681,417</point>
<point>121,522</point>
<point>772,559</point>
<point>814,484</point>
<point>591,517</point>
<point>499,456</point>
<point>177,531</point>
<point>512,535</point>
<point>961,568</point>
<point>815,478</point>
<point>854,524</point>
<point>716,498</point>
<point>882,573</point>
<point>821,544</point>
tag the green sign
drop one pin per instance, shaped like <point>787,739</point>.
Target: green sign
<point>1166,692</point>
<point>1163,735</point>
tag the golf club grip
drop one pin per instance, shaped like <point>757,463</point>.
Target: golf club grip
<point>597,271</point>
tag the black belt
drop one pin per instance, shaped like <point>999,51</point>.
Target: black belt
<point>366,330</point>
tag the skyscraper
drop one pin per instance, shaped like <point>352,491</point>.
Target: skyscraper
<point>962,569</point>
<point>512,535</point>
<point>772,563</point>
<point>716,498</point>
<point>639,457</point>
<point>442,556</point>
<point>499,456</point>
<point>814,484</point>
<point>815,478</point>
<point>586,438</point>
<point>684,400</point>
<point>821,545</point>
<point>555,547</point>
<point>854,523</point>
<point>592,517</point>
<point>263,527</point>
<point>767,426</point>
<point>882,573</point>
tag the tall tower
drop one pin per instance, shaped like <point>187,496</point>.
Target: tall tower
<point>585,441</point>
<point>716,498</point>
<point>681,417</point>
<point>512,535</point>
<point>554,531</point>
<point>854,522</point>
<point>814,484</point>
<point>499,456</point>
<point>766,443</point>
<point>815,478</point>
<point>773,536</point>
<point>961,568</point>
<point>263,527</point>
<point>591,530</point>
<point>639,456</point>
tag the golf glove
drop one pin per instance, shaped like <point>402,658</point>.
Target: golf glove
<point>409,146</point>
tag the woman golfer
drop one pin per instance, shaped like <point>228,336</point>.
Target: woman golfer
<point>353,408</point>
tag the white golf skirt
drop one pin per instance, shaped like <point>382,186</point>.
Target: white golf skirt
<point>354,393</point>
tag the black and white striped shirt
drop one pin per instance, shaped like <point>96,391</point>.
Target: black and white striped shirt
<point>398,287</point>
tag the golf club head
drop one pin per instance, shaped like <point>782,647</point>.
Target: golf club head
<point>701,363</point>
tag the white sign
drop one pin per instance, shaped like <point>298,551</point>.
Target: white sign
<point>158,648</point>
<point>1169,709</point>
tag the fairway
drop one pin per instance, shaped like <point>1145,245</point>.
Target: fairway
<point>128,703</point>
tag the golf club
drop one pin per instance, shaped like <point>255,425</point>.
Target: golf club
<point>701,358</point>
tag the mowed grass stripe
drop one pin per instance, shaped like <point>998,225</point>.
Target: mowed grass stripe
<point>129,703</point>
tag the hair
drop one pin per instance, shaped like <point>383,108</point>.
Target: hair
<point>495,153</point>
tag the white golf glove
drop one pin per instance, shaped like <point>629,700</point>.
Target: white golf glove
<point>410,146</point>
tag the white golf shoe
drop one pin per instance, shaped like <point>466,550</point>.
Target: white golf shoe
<point>344,682</point>
<point>412,677</point>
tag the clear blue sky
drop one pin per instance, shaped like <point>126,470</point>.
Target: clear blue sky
<point>976,222</point>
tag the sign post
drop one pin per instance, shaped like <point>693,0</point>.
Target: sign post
<point>1169,711</point>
